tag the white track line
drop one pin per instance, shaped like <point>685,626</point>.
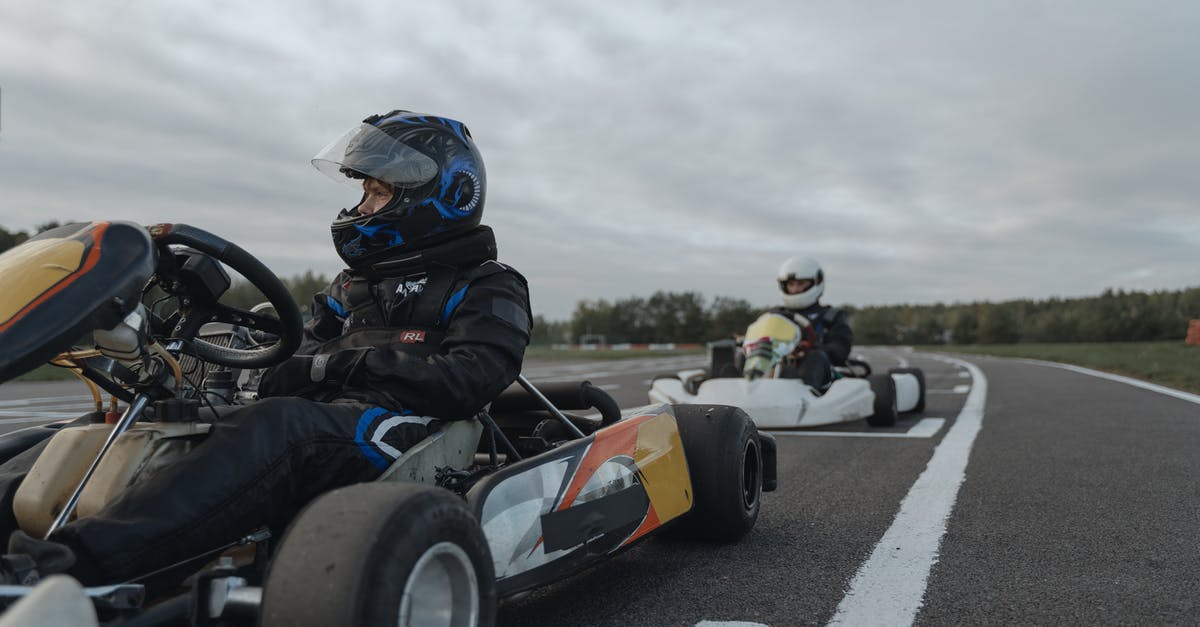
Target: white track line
<point>1137,383</point>
<point>45,417</point>
<point>926,428</point>
<point>889,587</point>
<point>57,400</point>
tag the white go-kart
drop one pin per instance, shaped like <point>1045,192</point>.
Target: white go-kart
<point>763,384</point>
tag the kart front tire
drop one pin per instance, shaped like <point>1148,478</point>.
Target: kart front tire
<point>725,461</point>
<point>382,553</point>
<point>920,375</point>
<point>885,413</point>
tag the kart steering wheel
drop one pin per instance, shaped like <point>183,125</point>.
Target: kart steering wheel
<point>198,309</point>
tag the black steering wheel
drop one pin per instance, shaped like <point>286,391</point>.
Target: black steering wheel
<point>197,308</point>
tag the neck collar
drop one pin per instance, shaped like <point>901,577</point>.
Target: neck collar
<point>465,251</point>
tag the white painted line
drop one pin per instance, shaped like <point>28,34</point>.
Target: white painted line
<point>926,428</point>
<point>727,623</point>
<point>26,402</point>
<point>890,585</point>
<point>1137,383</point>
<point>48,417</point>
<point>963,374</point>
<point>609,386</point>
<point>961,389</point>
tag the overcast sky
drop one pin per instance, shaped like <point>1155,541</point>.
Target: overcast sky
<point>922,151</point>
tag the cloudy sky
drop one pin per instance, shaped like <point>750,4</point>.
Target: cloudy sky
<point>922,151</point>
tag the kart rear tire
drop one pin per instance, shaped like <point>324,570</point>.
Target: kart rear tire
<point>920,375</point>
<point>885,401</point>
<point>725,461</point>
<point>378,554</point>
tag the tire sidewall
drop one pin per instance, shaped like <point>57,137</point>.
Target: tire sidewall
<point>347,557</point>
<point>885,413</point>
<point>388,573</point>
<point>717,441</point>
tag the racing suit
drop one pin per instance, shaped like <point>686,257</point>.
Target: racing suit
<point>389,353</point>
<point>834,339</point>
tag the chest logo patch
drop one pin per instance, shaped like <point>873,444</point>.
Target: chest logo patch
<point>411,288</point>
<point>412,337</point>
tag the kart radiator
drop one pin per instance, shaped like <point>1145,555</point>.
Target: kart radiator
<point>194,370</point>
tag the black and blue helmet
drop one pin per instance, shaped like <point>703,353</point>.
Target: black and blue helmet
<point>435,173</point>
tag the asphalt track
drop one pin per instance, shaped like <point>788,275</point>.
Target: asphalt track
<point>1045,496</point>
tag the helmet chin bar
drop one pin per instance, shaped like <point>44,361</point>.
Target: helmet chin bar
<point>804,299</point>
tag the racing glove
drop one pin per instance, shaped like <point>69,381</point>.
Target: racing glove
<point>303,374</point>
<point>759,359</point>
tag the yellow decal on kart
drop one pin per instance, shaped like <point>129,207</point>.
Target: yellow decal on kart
<point>35,271</point>
<point>664,472</point>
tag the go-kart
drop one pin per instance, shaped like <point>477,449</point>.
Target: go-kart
<point>759,374</point>
<point>520,496</point>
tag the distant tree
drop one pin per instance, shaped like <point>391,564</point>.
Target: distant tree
<point>303,287</point>
<point>728,317</point>
<point>8,239</point>
<point>550,331</point>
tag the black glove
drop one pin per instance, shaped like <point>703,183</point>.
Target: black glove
<point>304,374</point>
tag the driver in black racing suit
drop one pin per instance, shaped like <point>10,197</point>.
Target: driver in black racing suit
<point>424,326</point>
<point>802,281</point>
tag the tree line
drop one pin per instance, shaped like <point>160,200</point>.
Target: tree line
<point>1113,316</point>
<point>240,294</point>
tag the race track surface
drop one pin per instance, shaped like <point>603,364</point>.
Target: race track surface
<point>1042,496</point>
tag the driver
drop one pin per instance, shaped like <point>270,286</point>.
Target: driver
<point>802,282</point>
<point>423,326</point>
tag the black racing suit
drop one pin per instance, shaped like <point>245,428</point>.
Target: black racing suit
<point>430,337</point>
<point>834,339</point>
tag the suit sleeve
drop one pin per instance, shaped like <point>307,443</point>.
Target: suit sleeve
<point>328,315</point>
<point>481,354</point>
<point>839,337</point>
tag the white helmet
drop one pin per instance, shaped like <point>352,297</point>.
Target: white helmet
<point>801,268</point>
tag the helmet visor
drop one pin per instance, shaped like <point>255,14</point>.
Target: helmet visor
<point>366,151</point>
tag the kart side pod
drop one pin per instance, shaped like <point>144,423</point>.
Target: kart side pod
<point>136,454</point>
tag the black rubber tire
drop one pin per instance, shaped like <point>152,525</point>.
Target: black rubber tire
<point>725,461</point>
<point>920,375</point>
<point>346,558</point>
<point>885,401</point>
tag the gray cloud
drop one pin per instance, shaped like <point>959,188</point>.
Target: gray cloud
<point>923,151</point>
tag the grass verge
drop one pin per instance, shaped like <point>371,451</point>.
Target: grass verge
<point>545,352</point>
<point>46,372</point>
<point>1173,364</point>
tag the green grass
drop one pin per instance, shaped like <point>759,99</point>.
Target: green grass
<point>53,373</point>
<point>46,372</point>
<point>545,352</point>
<point>1173,364</point>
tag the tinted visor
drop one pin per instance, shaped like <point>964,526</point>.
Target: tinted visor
<point>367,151</point>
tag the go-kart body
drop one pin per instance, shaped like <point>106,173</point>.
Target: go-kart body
<point>775,401</point>
<point>551,493</point>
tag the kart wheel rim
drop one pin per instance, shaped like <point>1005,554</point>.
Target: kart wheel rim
<point>442,589</point>
<point>751,486</point>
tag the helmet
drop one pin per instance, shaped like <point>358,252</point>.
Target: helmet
<point>435,172</point>
<point>801,268</point>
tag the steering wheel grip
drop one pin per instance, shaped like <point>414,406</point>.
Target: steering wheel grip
<point>291,323</point>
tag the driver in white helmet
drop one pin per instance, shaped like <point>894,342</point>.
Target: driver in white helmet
<point>802,282</point>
